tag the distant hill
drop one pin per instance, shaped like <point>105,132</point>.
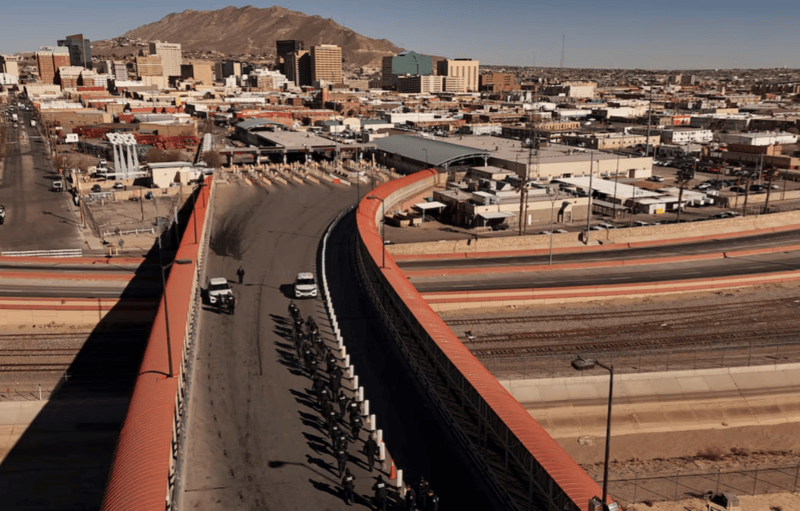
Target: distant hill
<point>253,31</point>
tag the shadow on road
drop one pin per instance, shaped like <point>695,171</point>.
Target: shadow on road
<point>62,459</point>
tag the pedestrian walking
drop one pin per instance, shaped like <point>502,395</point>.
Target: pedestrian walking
<point>411,498</point>
<point>294,312</point>
<point>341,440</point>
<point>334,431</point>
<point>341,458</point>
<point>331,417</point>
<point>324,395</point>
<point>381,493</point>
<point>423,488</point>
<point>317,385</point>
<point>355,428</point>
<point>433,501</point>
<point>331,361</point>
<point>371,450</point>
<point>240,274</point>
<point>338,373</point>
<point>342,400</point>
<point>348,485</point>
<point>336,385</point>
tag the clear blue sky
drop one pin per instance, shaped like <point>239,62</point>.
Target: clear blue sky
<point>600,34</point>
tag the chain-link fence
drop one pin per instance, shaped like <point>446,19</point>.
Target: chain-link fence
<point>760,480</point>
<point>519,366</point>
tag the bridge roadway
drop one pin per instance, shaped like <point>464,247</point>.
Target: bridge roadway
<point>773,239</point>
<point>255,439</point>
<point>483,280</point>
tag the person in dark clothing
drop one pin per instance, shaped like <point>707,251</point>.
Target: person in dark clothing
<point>330,360</point>
<point>433,501</point>
<point>411,498</point>
<point>324,395</point>
<point>381,493</point>
<point>331,417</point>
<point>341,458</point>
<point>341,440</point>
<point>342,400</point>
<point>355,428</point>
<point>327,408</point>
<point>336,385</point>
<point>334,431</point>
<point>424,488</point>
<point>240,274</point>
<point>371,450</point>
<point>338,373</point>
<point>353,406</point>
<point>348,485</point>
<point>317,386</point>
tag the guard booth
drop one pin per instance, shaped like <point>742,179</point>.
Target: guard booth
<point>429,210</point>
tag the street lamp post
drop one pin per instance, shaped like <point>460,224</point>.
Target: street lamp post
<point>383,229</point>
<point>585,365</point>
<point>166,310</point>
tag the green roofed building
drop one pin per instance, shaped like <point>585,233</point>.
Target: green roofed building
<point>406,63</point>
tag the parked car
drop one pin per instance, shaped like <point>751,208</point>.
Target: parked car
<point>118,186</point>
<point>608,227</point>
<point>500,227</point>
<point>657,179</point>
<point>96,189</point>
<point>639,223</point>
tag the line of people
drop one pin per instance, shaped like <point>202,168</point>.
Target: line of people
<point>312,352</point>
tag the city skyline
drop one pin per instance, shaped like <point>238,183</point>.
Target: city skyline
<point>705,35</point>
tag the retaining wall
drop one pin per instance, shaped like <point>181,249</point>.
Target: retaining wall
<point>616,238</point>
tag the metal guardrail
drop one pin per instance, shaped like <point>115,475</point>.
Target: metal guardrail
<point>150,230</point>
<point>67,252</point>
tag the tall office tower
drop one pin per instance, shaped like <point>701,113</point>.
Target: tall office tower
<point>171,58</point>
<point>326,63</point>
<point>80,50</point>
<point>284,49</point>
<point>298,68</point>
<point>227,68</point>
<point>465,68</point>
<point>48,60</point>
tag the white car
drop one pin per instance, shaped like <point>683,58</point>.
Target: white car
<point>217,287</point>
<point>305,285</point>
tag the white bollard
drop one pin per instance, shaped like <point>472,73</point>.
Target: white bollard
<point>342,351</point>
<point>339,343</point>
<point>372,423</point>
<point>399,477</point>
<point>382,452</point>
<point>365,407</point>
<point>351,371</point>
<point>355,382</point>
<point>360,394</point>
<point>346,360</point>
<point>380,436</point>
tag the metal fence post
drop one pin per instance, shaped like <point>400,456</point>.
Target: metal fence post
<point>719,473</point>
<point>635,485</point>
<point>677,475</point>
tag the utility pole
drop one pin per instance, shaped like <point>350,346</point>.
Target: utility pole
<point>523,188</point>
<point>649,117</point>
<point>589,213</point>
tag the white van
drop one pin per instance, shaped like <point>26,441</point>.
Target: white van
<point>305,285</point>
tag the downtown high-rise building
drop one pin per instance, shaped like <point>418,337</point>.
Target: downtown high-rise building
<point>326,63</point>
<point>48,60</point>
<point>80,50</point>
<point>171,57</point>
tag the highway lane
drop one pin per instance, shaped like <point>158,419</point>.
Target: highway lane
<point>775,239</point>
<point>767,263</point>
<point>36,218</point>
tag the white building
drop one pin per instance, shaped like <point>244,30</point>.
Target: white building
<point>758,139</point>
<point>686,136</point>
<point>8,79</point>
<point>171,57</point>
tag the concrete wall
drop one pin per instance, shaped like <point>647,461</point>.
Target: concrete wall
<point>629,235</point>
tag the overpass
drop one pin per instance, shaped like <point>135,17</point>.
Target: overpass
<point>519,461</point>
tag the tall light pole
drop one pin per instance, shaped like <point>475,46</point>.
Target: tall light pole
<point>585,365</point>
<point>383,229</point>
<point>166,310</point>
<point>554,197</point>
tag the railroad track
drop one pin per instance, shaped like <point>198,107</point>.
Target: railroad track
<point>594,316</point>
<point>670,343</point>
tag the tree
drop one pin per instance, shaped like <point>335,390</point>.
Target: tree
<point>213,159</point>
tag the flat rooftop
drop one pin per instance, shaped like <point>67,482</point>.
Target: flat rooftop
<point>295,139</point>
<point>512,150</point>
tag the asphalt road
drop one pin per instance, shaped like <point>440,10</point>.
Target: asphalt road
<point>255,438</point>
<point>36,218</point>
<point>85,290</point>
<point>774,239</point>
<point>768,263</point>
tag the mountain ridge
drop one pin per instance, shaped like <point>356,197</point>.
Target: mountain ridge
<point>253,31</point>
